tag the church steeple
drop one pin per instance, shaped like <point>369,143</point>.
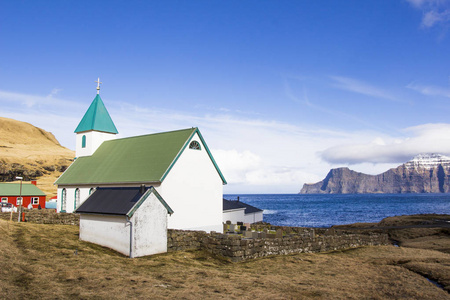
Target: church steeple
<point>95,127</point>
<point>97,118</point>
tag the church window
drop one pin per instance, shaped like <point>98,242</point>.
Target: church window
<point>91,190</point>
<point>194,145</point>
<point>77,198</point>
<point>63,200</point>
<point>83,142</point>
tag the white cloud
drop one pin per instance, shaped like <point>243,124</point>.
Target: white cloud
<point>430,90</point>
<point>428,138</point>
<point>435,12</point>
<point>360,87</point>
<point>432,17</point>
<point>30,101</point>
<point>54,92</point>
<point>235,165</point>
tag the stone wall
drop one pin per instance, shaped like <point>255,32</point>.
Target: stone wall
<point>239,248</point>
<point>180,240</point>
<point>45,216</point>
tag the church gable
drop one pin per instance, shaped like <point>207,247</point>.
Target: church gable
<point>141,159</point>
<point>196,143</point>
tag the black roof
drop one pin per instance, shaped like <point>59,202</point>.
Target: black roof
<point>230,204</point>
<point>116,200</point>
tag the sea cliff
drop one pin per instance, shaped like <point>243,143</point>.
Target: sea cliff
<point>425,173</point>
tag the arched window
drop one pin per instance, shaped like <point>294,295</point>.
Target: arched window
<point>77,199</point>
<point>91,190</point>
<point>63,200</point>
<point>194,145</point>
<point>83,141</point>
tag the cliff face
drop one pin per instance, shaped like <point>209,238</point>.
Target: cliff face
<point>429,173</point>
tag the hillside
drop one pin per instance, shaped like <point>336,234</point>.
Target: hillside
<point>33,153</point>
<point>49,261</point>
<point>425,173</point>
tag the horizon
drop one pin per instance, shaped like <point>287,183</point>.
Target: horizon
<point>282,92</point>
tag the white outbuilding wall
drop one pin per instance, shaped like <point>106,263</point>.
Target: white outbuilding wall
<point>106,230</point>
<point>253,217</point>
<point>235,215</point>
<point>144,234</point>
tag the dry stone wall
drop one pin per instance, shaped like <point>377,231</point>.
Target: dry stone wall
<point>181,240</point>
<point>45,216</point>
<point>239,248</point>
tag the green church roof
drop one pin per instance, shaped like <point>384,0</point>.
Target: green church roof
<point>13,189</point>
<point>97,118</point>
<point>140,159</point>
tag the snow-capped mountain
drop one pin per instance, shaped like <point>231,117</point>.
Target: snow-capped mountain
<point>428,161</point>
<point>425,173</point>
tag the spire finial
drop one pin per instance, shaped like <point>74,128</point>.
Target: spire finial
<point>98,85</point>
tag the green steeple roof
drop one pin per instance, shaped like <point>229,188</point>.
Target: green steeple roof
<point>97,118</point>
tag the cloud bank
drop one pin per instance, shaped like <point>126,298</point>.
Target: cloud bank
<point>427,138</point>
<point>256,155</point>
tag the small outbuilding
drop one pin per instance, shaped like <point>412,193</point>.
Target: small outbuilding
<point>130,220</point>
<point>29,193</point>
<point>238,211</point>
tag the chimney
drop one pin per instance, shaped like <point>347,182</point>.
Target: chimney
<point>34,182</point>
<point>238,199</point>
<point>142,189</point>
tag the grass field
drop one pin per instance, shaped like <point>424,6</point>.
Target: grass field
<point>50,262</point>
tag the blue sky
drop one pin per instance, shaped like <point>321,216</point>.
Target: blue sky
<point>282,91</point>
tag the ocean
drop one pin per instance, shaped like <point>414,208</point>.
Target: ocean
<point>327,210</point>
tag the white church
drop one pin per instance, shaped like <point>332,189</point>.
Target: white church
<point>112,180</point>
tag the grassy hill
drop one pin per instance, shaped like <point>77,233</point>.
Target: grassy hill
<point>42,261</point>
<point>33,153</point>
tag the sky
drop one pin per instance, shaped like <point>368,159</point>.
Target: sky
<point>282,91</point>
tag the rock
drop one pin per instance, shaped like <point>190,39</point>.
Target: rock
<point>426,173</point>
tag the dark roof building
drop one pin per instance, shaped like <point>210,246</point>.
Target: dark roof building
<point>232,211</point>
<point>119,200</point>
<point>231,204</point>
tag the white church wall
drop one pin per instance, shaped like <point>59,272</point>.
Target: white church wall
<point>108,231</point>
<point>70,197</point>
<point>149,228</point>
<point>234,216</point>
<point>93,140</point>
<point>194,190</point>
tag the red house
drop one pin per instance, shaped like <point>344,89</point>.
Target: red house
<point>10,193</point>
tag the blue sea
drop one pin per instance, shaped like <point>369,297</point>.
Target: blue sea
<point>327,210</point>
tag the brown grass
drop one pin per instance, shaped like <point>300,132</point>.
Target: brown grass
<point>23,142</point>
<point>26,149</point>
<point>49,261</point>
